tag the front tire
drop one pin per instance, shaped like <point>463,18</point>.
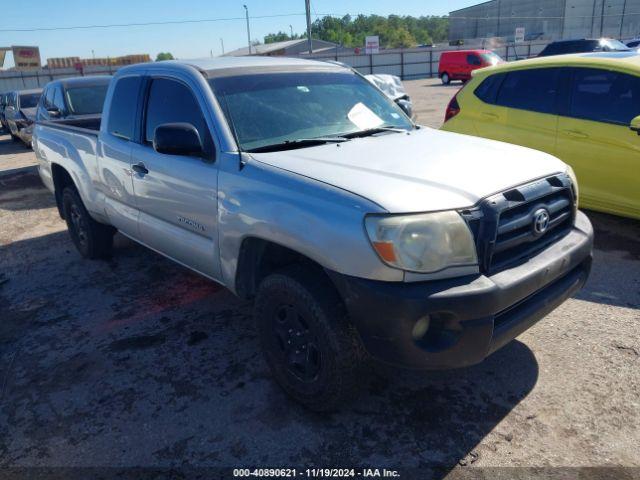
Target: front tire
<point>313,351</point>
<point>92,239</point>
<point>446,80</point>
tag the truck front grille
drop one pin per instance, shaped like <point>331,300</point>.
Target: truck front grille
<point>504,225</point>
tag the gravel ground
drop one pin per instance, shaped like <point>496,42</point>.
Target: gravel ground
<point>136,361</point>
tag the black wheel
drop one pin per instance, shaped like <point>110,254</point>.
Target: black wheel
<point>92,239</point>
<point>446,80</point>
<point>14,138</point>
<point>312,350</point>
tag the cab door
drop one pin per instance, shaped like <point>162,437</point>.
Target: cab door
<point>595,139</point>
<point>473,62</point>
<point>117,135</point>
<point>530,97</point>
<point>177,195</point>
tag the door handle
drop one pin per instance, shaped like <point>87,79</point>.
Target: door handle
<point>489,116</point>
<point>576,134</point>
<point>140,168</point>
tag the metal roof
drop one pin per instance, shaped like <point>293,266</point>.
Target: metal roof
<point>266,48</point>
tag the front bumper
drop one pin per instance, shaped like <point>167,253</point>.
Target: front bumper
<point>458,322</point>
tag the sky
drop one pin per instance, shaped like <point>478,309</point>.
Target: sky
<point>191,40</point>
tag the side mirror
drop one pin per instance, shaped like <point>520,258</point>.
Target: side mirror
<point>635,124</point>
<point>406,106</point>
<point>177,139</point>
<point>53,112</point>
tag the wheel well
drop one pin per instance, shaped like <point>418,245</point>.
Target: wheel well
<point>259,258</point>
<point>61,179</point>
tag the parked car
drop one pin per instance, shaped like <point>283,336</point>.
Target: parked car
<point>584,109</point>
<point>634,44</point>
<point>298,184</point>
<point>392,87</point>
<point>458,64</point>
<point>20,113</point>
<point>79,99</point>
<point>584,45</point>
<point>4,97</point>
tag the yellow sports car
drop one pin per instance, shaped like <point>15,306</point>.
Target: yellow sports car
<point>583,108</point>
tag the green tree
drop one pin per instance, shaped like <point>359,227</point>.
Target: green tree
<point>395,31</point>
<point>164,56</point>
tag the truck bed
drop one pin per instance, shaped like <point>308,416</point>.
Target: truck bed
<point>86,123</point>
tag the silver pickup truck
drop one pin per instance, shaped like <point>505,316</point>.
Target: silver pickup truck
<point>300,185</point>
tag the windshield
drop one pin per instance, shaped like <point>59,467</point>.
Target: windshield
<point>87,99</point>
<point>491,58</point>
<point>274,108</point>
<point>29,100</point>
<point>611,44</point>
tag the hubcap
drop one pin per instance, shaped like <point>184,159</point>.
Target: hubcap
<point>78,223</point>
<point>297,344</point>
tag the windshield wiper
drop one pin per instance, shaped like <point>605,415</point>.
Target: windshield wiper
<point>297,143</point>
<point>372,131</point>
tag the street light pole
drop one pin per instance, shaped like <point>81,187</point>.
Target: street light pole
<point>222,45</point>
<point>291,28</point>
<point>246,12</point>
<point>307,4</point>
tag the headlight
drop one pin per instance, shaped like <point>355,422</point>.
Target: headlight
<point>574,180</point>
<point>425,243</point>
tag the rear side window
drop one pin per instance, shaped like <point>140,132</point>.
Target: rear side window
<point>122,114</point>
<point>171,101</point>
<point>604,96</point>
<point>29,100</point>
<point>487,91</point>
<point>86,100</point>
<point>534,90</point>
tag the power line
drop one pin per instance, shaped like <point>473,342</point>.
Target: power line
<point>257,17</point>
<point>143,24</point>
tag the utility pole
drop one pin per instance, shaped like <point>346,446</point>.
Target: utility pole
<point>291,28</point>
<point>307,4</point>
<point>222,45</point>
<point>624,8</point>
<point>246,12</point>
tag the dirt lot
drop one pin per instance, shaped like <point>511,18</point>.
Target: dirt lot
<point>136,361</point>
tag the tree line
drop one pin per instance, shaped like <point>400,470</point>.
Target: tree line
<point>394,31</point>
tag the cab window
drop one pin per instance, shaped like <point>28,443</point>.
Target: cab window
<point>171,101</point>
<point>47,98</point>
<point>604,96</point>
<point>58,101</point>
<point>533,90</point>
<point>473,59</point>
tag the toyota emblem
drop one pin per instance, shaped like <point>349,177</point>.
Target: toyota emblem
<point>540,221</point>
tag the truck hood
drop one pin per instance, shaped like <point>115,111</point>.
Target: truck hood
<point>421,171</point>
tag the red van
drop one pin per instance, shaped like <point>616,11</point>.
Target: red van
<point>458,64</point>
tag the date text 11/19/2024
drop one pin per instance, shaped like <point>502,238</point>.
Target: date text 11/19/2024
<point>316,472</point>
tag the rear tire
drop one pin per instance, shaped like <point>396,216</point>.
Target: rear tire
<point>446,80</point>
<point>313,351</point>
<point>92,239</point>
